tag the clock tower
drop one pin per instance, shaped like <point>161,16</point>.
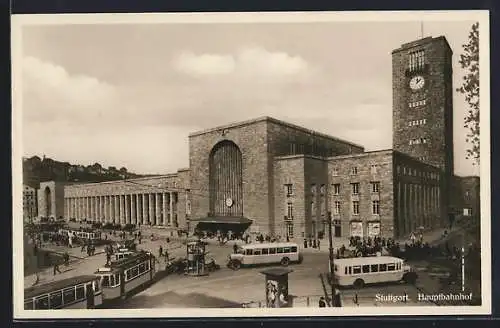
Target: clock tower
<point>423,102</point>
<point>422,91</point>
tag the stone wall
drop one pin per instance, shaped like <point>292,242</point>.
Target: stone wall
<point>340,172</point>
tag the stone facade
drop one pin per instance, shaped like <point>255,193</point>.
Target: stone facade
<point>30,202</point>
<point>51,199</point>
<point>288,179</point>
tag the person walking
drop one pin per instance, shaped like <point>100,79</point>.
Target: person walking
<point>322,302</point>
<point>56,266</point>
<point>319,248</point>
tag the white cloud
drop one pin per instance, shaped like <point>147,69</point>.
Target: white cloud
<point>247,62</point>
<point>50,92</point>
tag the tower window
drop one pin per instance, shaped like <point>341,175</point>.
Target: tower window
<point>375,186</point>
<point>376,207</point>
<point>374,169</point>
<point>289,189</point>
<point>335,172</point>
<point>354,170</point>
<point>418,103</point>
<point>416,60</point>
<point>289,207</point>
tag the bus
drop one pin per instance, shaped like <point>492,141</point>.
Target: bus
<point>265,253</point>
<point>123,276</point>
<point>358,271</point>
<point>81,292</point>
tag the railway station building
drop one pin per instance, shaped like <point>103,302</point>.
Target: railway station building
<point>276,178</point>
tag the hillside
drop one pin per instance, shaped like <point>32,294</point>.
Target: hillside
<point>36,170</point>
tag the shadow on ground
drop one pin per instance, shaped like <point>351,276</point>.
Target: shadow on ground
<point>174,300</point>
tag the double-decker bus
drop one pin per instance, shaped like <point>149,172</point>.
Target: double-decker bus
<point>81,292</point>
<point>358,271</point>
<point>125,275</point>
<point>265,253</point>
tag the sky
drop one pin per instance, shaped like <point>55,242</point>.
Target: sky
<point>130,94</point>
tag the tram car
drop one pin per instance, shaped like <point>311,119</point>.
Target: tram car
<point>80,292</point>
<point>123,276</point>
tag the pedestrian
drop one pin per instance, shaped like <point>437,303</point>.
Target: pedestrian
<point>355,299</point>
<point>235,248</point>
<point>66,258</point>
<point>166,256</point>
<point>322,302</point>
<point>160,252</point>
<point>56,266</point>
<point>319,248</point>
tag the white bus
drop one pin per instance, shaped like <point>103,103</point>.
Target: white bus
<point>265,253</point>
<point>358,271</point>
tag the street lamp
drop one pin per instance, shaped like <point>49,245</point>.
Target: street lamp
<point>335,297</point>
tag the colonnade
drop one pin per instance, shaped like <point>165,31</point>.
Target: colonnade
<point>141,208</point>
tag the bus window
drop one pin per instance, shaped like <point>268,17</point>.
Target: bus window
<point>272,250</point>
<point>286,250</point>
<point>383,267</point>
<point>366,268</point>
<point>42,303</point>
<point>294,249</point>
<point>249,252</point>
<point>265,251</point>
<point>96,286</point>
<point>345,269</point>
<point>391,267</point>
<point>28,305</point>
<point>335,268</point>
<point>147,266</point>
<point>279,250</point>
<point>56,299</point>
<point>256,252</point>
<point>350,270</point>
<point>142,268</point>
<point>69,295</point>
<point>80,292</point>
<point>356,269</point>
<point>374,267</point>
<point>111,280</point>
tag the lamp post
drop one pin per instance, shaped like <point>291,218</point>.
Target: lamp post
<point>335,300</point>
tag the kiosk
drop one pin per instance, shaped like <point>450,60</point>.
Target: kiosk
<point>196,258</point>
<point>277,287</point>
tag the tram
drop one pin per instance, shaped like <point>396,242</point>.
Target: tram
<point>125,275</point>
<point>81,292</point>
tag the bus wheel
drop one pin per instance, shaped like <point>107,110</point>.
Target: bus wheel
<point>285,261</point>
<point>359,283</point>
<point>236,265</point>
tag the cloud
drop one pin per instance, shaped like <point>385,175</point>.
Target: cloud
<point>247,62</point>
<point>51,93</point>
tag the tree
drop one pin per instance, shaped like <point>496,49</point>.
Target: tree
<point>123,170</point>
<point>469,61</point>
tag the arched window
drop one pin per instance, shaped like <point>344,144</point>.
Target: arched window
<point>48,202</point>
<point>226,179</point>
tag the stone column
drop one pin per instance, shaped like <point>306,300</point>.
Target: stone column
<point>164,206</point>
<point>116,204</point>
<point>144,209</point>
<point>133,208</point>
<point>122,208</point>
<point>152,218</point>
<point>171,214</point>
<point>158,218</point>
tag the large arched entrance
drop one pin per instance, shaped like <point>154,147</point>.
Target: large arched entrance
<point>48,202</point>
<point>226,180</point>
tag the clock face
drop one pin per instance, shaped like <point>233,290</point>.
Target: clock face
<point>417,82</point>
<point>229,202</point>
